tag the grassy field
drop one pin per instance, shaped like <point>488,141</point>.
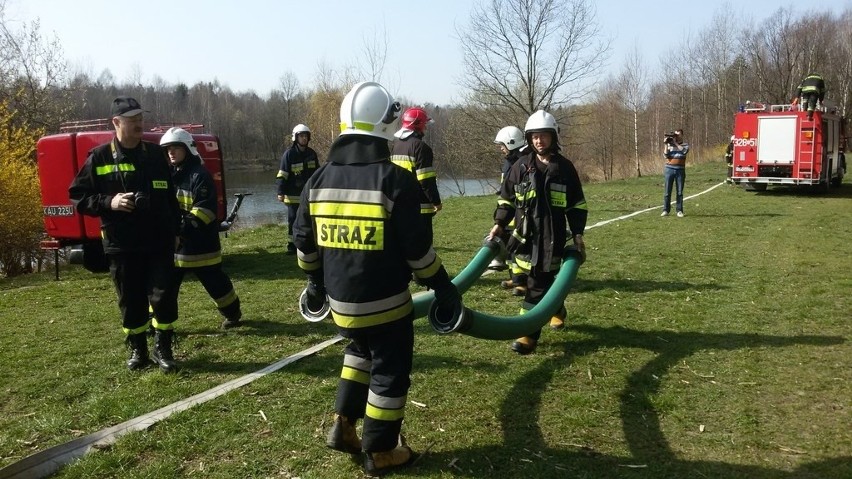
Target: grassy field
<point>715,345</point>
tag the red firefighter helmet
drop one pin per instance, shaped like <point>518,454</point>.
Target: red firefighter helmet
<point>415,119</point>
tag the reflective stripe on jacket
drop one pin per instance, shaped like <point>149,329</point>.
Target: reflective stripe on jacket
<point>550,197</point>
<point>293,172</point>
<point>413,154</point>
<point>111,169</point>
<point>199,202</point>
<point>361,231</point>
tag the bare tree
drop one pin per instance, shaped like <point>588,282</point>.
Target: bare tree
<point>716,53</point>
<point>375,52</point>
<point>773,56</point>
<point>32,73</point>
<point>290,89</point>
<point>526,55</point>
<point>633,87</point>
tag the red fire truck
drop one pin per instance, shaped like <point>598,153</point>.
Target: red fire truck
<point>778,145</point>
<point>60,157</point>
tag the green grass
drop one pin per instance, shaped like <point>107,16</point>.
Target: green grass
<point>714,345</point>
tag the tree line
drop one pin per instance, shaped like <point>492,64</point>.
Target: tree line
<point>520,56</point>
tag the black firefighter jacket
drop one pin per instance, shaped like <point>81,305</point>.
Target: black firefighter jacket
<point>111,169</point>
<point>359,229</point>
<point>199,230</point>
<point>415,155</point>
<point>545,201</point>
<point>293,172</point>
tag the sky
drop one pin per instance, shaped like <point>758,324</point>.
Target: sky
<point>251,44</point>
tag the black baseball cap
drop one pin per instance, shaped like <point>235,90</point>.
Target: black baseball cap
<point>126,106</point>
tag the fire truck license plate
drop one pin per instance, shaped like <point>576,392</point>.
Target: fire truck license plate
<point>58,210</point>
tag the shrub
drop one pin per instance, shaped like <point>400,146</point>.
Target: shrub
<point>21,225</point>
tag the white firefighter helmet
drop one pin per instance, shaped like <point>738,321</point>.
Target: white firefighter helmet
<point>176,135</point>
<point>368,109</point>
<point>542,121</point>
<point>301,128</point>
<point>511,136</point>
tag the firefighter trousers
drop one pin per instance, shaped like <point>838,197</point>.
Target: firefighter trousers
<point>292,209</point>
<point>538,284</point>
<point>141,279</point>
<point>218,285</point>
<point>427,222</point>
<point>374,382</point>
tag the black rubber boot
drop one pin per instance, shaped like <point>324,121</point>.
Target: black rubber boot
<point>163,350</point>
<point>138,344</point>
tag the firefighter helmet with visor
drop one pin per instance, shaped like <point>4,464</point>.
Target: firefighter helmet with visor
<point>175,136</point>
<point>511,136</point>
<point>368,109</point>
<point>541,121</point>
<point>300,128</point>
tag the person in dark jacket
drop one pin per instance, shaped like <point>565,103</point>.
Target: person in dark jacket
<point>415,155</point>
<point>729,159</point>
<point>543,194</point>
<point>511,141</point>
<point>127,183</point>
<point>200,250</point>
<point>298,163</point>
<point>359,237</point>
<point>811,90</point>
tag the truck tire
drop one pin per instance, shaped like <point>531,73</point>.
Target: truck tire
<point>841,170</point>
<point>826,183</point>
<point>755,186</point>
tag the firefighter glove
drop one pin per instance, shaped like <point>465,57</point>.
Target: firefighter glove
<point>447,296</point>
<point>316,294</point>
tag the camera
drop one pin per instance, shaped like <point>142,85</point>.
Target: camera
<point>142,201</point>
<point>669,137</point>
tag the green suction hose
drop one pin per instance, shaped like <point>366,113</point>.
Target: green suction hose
<point>465,278</point>
<point>485,326</point>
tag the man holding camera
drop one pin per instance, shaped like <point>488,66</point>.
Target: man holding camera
<point>127,183</point>
<point>675,151</point>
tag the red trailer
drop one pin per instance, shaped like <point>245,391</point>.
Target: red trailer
<point>778,145</point>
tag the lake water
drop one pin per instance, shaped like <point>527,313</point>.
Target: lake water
<point>263,207</point>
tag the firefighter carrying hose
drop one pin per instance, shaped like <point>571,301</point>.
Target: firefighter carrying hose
<point>359,237</point>
<point>200,250</point>
<point>511,141</point>
<point>543,194</point>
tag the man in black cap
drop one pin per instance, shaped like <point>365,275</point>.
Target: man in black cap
<point>127,183</point>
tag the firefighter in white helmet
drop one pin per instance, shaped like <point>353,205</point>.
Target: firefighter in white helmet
<point>298,163</point>
<point>543,194</point>
<point>415,155</point>
<point>359,236</point>
<point>511,143</point>
<point>200,250</point>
